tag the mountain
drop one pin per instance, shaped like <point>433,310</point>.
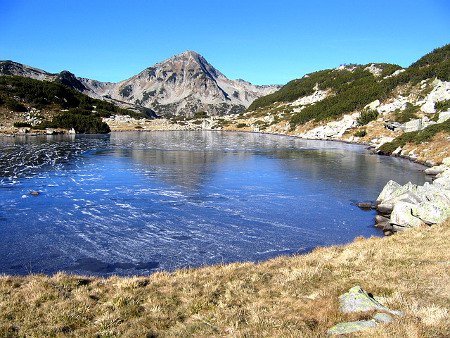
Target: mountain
<point>181,85</point>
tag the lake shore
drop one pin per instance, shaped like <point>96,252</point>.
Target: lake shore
<point>285,296</point>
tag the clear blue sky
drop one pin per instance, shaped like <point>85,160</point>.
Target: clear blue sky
<point>263,42</point>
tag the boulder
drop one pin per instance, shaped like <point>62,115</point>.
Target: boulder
<point>402,215</point>
<point>439,197</point>
<point>446,161</point>
<point>443,116</point>
<point>432,213</point>
<point>435,170</point>
<point>34,193</point>
<point>382,225</point>
<point>358,300</point>
<point>407,196</point>
<point>397,151</point>
<point>385,208</point>
<point>381,219</point>
<point>428,107</point>
<point>398,228</point>
<point>413,125</point>
<point>364,205</point>
<point>443,181</point>
<point>388,190</point>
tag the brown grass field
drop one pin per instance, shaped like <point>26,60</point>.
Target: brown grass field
<point>283,297</point>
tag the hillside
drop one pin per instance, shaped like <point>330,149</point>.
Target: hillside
<point>39,104</point>
<point>372,104</point>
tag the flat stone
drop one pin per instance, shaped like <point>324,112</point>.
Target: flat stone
<point>383,318</point>
<point>364,205</point>
<point>434,170</point>
<point>381,219</point>
<point>349,327</point>
<point>385,208</point>
<point>382,225</point>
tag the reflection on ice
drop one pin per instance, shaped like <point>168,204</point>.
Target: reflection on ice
<point>133,203</point>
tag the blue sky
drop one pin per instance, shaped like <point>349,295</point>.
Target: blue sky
<point>263,42</point>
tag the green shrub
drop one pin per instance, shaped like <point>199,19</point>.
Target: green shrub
<point>367,116</point>
<point>408,114</point>
<point>442,105</point>
<point>200,115</point>
<point>360,133</point>
<point>13,105</point>
<point>21,124</point>
<point>80,121</point>
<point>241,125</point>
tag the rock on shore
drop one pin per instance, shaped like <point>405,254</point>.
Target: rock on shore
<point>411,205</point>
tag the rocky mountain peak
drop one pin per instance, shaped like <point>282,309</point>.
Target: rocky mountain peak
<point>181,85</point>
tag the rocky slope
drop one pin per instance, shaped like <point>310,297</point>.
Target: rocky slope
<point>182,85</point>
<point>373,104</point>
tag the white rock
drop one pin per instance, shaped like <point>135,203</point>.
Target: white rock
<point>432,213</point>
<point>440,92</point>
<point>443,181</point>
<point>446,161</point>
<point>407,196</point>
<point>402,215</point>
<point>413,125</point>
<point>435,170</point>
<point>397,151</point>
<point>428,107</point>
<point>373,105</point>
<point>388,190</point>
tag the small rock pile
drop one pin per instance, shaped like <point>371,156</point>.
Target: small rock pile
<point>358,300</point>
<point>410,205</point>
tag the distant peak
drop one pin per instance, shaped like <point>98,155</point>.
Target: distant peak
<point>190,53</point>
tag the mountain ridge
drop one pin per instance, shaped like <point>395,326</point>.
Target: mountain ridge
<point>180,85</point>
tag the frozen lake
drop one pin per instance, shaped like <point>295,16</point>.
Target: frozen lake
<point>137,202</point>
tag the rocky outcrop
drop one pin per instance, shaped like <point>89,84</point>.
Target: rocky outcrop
<point>411,205</point>
<point>440,92</point>
<point>332,130</point>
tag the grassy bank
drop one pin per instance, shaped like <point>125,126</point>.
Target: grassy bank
<point>283,297</point>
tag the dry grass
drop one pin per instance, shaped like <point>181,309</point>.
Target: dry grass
<point>284,297</point>
<point>435,150</point>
